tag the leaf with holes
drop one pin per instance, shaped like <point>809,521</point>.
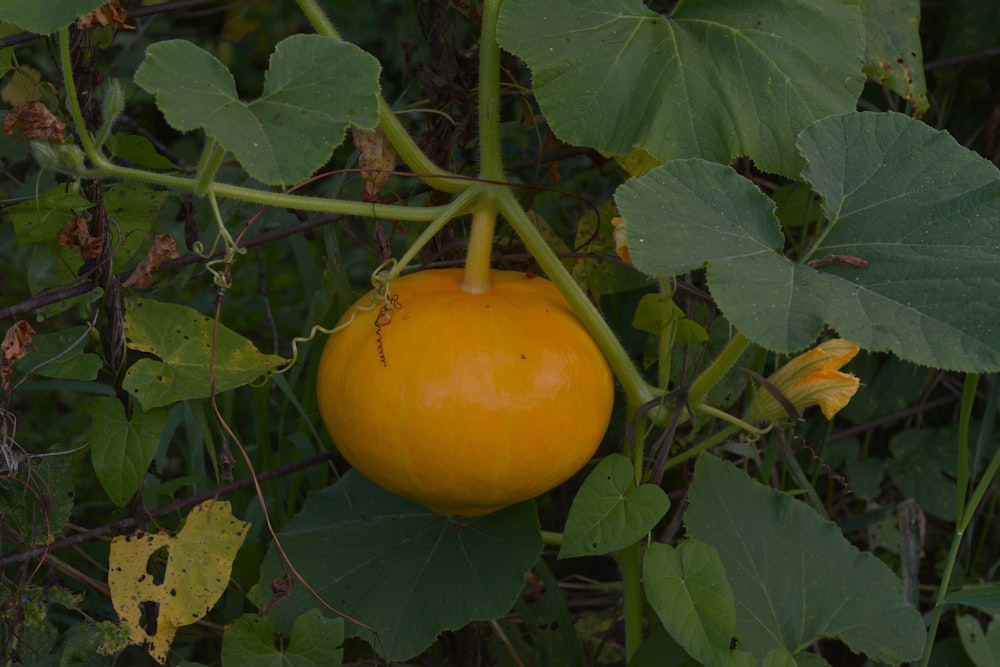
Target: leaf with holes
<point>198,562</point>
<point>610,512</point>
<point>909,263</point>
<point>716,79</point>
<point>314,89</point>
<point>386,561</point>
<point>183,339</point>
<point>121,447</point>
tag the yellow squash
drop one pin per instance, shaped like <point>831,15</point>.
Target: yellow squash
<point>466,403</point>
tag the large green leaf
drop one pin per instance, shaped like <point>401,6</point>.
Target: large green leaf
<point>717,79</point>
<point>796,579</point>
<point>314,89</point>
<point>122,448</point>
<point>45,17</point>
<point>610,512</point>
<point>314,642</point>
<point>918,208</point>
<point>59,358</point>
<point>403,570</point>
<point>687,588</point>
<point>182,338</point>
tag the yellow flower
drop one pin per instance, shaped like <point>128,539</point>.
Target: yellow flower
<point>812,378</point>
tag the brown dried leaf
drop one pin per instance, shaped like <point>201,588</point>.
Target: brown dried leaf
<point>76,233</point>
<point>16,345</point>
<point>110,14</point>
<point>377,159</point>
<point>164,248</point>
<point>36,121</point>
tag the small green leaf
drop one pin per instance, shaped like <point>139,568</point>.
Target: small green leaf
<point>182,338</point>
<point>687,588</point>
<point>893,52</point>
<point>712,80</point>
<point>795,578</point>
<point>45,17</point>
<point>134,208</point>
<point>315,642</point>
<point>122,448</point>
<point>596,236</point>
<point>982,648</point>
<point>53,350</point>
<point>314,89</point>
<point>138,150</point>
<point>610,512</point>
<point>41,219</point>
<point>922,467</point>
<point>383,559</point>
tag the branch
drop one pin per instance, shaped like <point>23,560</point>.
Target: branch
<point>129,523</point>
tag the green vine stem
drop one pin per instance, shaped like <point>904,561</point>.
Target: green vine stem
<point>208,166</point>
<point>423,167</point>
<point>718,368</point>
<point>967,514</point>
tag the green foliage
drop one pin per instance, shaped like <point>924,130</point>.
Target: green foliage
<point>380,558</point>
<point>315,87</point>
<point>610,512</point>
<point>696,179</point>
<point>794,577</point>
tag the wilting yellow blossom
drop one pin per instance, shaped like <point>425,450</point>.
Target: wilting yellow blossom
<point>812,378</point>
<point>621,244</point>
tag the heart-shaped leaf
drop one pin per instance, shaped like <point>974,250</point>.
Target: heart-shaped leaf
<point>795,578</point>
<point>387,561</point>
<point>314,641</point>
<point>122,448</point>
<point>713,80</point>
<point>609,512</point>
<point>910,262</point>
<point>315,88</point>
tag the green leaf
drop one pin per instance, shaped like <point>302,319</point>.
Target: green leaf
<point>45,17</point>
<point>906,199</point>
<point>595,236</point>
<point>405,571</point>
<point>687,588</point>
<point>315,642</point>
<point>122,448</point>
<point>134,208</point>
<point>61,361</point>
<point>314,89</point>
<point>41,219</point>
<point>981,597</point>
<point>610,512</point>
<point>138,150</point>
<point>893,53</point>
<point>983,649</point>
<point>922,467</point>
<point>716,79</point>
<point>182,338</point>
<point>796,579</point>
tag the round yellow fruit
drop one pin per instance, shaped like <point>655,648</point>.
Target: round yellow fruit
<point>466,403</point>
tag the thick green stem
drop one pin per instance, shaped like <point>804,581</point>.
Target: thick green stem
<point>476,278</point>
<point>462,204</point>
<point>211,160</point>
<point>630,561</point>
<point>965,416</point>
<point>635,386</point>
<point>490,156</point>
<point>718,368</point>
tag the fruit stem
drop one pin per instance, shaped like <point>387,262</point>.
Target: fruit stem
<point>476,278</point>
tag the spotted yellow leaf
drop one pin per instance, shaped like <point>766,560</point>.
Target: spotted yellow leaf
<point>198,562</point>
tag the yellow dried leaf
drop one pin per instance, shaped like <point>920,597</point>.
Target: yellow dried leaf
<point>198,562</point>
<point>16,345</point>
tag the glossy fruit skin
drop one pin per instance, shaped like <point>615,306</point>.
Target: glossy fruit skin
<point>483,400</point>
